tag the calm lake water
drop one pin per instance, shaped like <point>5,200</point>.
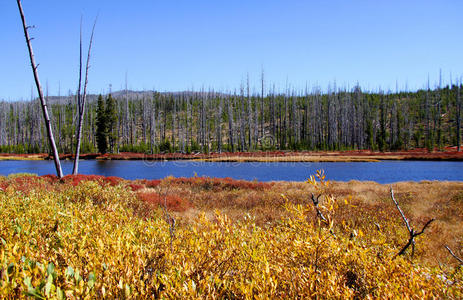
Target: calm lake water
<point>382,172</point>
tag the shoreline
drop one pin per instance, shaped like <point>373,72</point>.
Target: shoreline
<point>450,154</point>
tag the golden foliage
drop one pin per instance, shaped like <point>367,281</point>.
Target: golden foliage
<point>90,241</point>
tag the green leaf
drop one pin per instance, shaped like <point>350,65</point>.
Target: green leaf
<point>49,285</point>
<point>27,282</point>
<point>59,293</point>
<point>77,276</point>
<point>17,229</point>
<point>69,272</point>
<point>31,291</point>
<point>50,269</point>
<point>91,280</point>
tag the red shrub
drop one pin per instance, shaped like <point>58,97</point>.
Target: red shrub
<point>113,180</point>
<point>153,183</point>
<point>4,185</point>
<point>219,184</point>
<point>50,178</point>
<point>173,202</point>
<point>135,186</point>
<point>25,184</point>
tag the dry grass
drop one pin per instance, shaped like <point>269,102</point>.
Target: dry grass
<point>369,203</point>
<point>19,157</point>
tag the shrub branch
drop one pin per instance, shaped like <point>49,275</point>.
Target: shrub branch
<point>454,255</point>
<point>411,231</point>
<point>315,202</point>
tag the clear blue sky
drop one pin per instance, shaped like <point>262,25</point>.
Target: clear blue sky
<point>177,45</point>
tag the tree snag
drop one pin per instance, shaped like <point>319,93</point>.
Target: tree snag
<point>81,99</point>
<point>51,139</point>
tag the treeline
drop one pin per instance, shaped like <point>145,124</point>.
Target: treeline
<point>203,121</point>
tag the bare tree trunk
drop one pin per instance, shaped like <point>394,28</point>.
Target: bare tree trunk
<point>273,114</point>
<point>262,106</point>
<point>81,100</point>
<point>219,129</point>
<point>51,139</point>
<point>230,124</point>
<point>249,113</point>
<point>458,117</point>
<point>126,127</point>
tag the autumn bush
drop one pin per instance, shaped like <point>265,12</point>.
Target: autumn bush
<point>60,240</point>
<point>171,202</point>
<point>218,184</point>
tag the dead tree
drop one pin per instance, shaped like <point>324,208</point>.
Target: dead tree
<point>458,117</point>
<point>230,124</point>
<point>412,233</point>
<point>81,99</point>
<point>262,115</point>
<point>51,139</point>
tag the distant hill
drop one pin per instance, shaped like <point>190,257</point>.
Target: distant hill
<point>125,93</point>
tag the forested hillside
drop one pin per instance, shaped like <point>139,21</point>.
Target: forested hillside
<point>214,122</point>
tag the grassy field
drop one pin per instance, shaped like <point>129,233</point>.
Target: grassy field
<point>104,237</point>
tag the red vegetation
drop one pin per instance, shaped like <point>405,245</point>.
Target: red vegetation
<point>219,184</point>
<point>24,184</point>
<point>4,185</point>
<point>50,178</point>
<point>173,202</point>
<point>135,187</point>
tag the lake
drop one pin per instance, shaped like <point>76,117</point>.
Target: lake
<point>381,172</point>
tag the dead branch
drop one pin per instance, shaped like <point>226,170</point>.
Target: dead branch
<point>411,231</point>
<point>454,255</point>
<point>315,202</point>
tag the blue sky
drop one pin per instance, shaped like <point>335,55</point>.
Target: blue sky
<point>178,45</point>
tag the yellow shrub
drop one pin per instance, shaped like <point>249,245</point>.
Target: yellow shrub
<point>89,242</point>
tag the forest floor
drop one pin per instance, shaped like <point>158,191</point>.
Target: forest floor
<point>449,153</point>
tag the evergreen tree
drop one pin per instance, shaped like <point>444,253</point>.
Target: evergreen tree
<point>101,132</point>
<point>111,122</point>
